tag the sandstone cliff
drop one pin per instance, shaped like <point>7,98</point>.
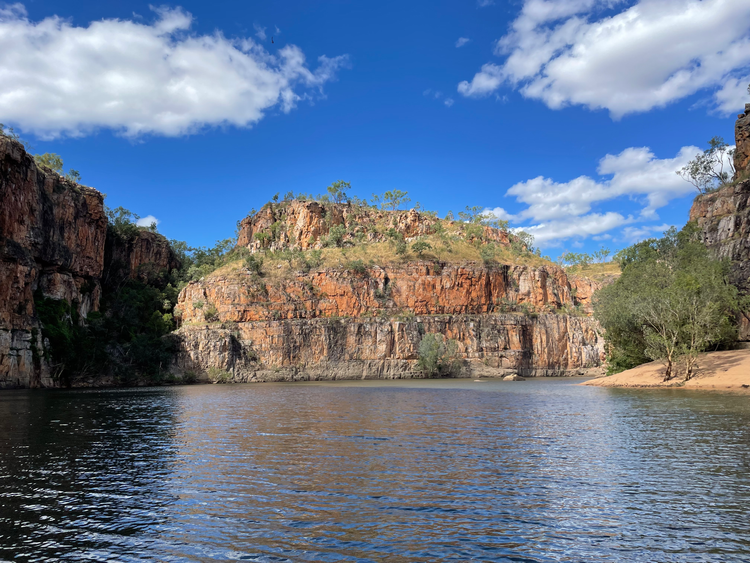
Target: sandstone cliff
<point>742,141</point>
<point>339,322</point>
<point>53,241</point>
<point>724,219</point>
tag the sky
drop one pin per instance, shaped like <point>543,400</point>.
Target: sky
<point>568,118</point>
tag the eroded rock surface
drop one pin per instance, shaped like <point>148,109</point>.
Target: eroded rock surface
<point>742,141</point>
<point>53,235</point>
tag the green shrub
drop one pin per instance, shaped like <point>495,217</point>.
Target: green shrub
<point>356,266</point>
<point>335,236</point>
<point>211,313</point>
<point>438,356</point>
<point>217,375</point>
<point>420,247</point>
<point>254,264</point>
<point>50,160</point>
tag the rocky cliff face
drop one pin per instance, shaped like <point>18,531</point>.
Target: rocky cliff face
<point>53,235</point>
<point>724,219</point>
<point>334,323</point>
<point>305,224</point>
<point>742,140</point>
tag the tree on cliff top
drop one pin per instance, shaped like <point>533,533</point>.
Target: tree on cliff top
<point>712,169</point>
<point>671,302</point>
<point>338,190</point>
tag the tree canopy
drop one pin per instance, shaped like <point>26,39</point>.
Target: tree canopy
<point>671,302</point>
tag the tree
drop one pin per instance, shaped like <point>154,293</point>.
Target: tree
<point>73,176</point>
<point>420,247</point>
<point>671,302</point>
<point>394,199</point>
<point>50,160</point>
<point>338,190</point>
<point>438,355</point>
<point>707,170</point>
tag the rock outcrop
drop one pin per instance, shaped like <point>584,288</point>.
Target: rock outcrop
<point>333,323</point>
<point>724,219</point>
<point>53,236</point>
<point>305,225</point>
<point>742,141</point>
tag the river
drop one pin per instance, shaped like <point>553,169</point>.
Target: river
<point>435,470</point>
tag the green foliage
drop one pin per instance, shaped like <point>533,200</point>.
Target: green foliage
<point>217,375</point>
<point>521,242</point>
<point>420,247</point>
<point>438,356</point>
<point>210,313</point>
<point>707,170</point>
<point>671,302</point>
<point>10,133</point>
<point>335,236</point>
<point>394,199</point>
<point>356,266</point>
<point>487,252</point>
<point>126,338</point>
<point>261,237</point>
<point>254,264</point>
<point>50,160</point>
<point>122,222</point>
<point>338,190</point>
<point>73,176</point>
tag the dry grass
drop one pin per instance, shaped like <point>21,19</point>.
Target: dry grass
<point>596,272</point>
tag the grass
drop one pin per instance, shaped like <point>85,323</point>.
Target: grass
<point>596,272</point>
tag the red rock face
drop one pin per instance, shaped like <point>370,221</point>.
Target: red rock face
<point>378,320</point>
<point>304,225</point>
<point>144,257</point>
<point>53,235</point>
<point>742,140</point>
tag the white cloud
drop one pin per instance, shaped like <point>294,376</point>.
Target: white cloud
<point>147,221</point>
<point>648,55</point>
<point>558,211</point>
<point>636,234</point>
<point>138,78</point>
<point>552,232</point>
<point>449,102</point>
<point>260,32</point>
<point>485,3</point>
<point>462,41</point>
<point>733,95</point>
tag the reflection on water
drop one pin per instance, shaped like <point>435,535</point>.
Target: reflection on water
<point>400,471</point>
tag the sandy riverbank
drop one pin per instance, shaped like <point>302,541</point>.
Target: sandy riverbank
<point>716,370</point>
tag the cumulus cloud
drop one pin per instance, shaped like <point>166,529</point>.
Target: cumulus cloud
<point>462,41</point>
<point>649,54</point>
<point>449,102</point>
<point>556,211</point>
<point>636,234</point>
<point>147,221</point>
<point>139,78</point>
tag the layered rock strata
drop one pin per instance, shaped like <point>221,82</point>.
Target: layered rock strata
<point>333,324</point>
<point>742,141</point>
<point>53,236</point>
<point>724,219</point>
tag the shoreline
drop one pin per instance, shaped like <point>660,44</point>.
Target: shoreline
<point>716,371</point>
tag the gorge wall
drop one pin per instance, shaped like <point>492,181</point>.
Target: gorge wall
<point>53,242</point>
<point>724,217</point>
<point>343,323</point>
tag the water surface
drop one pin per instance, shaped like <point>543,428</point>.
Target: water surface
<point>448,470</point>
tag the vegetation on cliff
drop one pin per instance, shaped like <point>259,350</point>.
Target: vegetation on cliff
<point>672,301</point>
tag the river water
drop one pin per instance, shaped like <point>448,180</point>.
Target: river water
<point>440,470</point>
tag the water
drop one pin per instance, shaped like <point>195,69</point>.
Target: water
<point>448,470</point>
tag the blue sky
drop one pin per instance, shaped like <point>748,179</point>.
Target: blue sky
<point>138,100</point>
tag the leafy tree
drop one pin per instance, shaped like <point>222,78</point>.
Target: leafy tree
<point>707,170</point>
<point>335,236</point>
<point>50,160</point>
<point>10,133</point>
<point>338,190</point>
<point>254,264</point>
<point>671,302</point>
<point>394,199</point>
<point>122,222</point>
<point>73,176</point>
<point>438,356</point>
<point>420,247</point>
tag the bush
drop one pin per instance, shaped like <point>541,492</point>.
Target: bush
<point>50,160</point>
<point>211,313</point>
<point>356,266</point>
<point>254,264</point>
<point>438,356</point>
<point>420,247</point>
<point>671,302</point>
<point>217,375</point>
<point>335,236</point>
